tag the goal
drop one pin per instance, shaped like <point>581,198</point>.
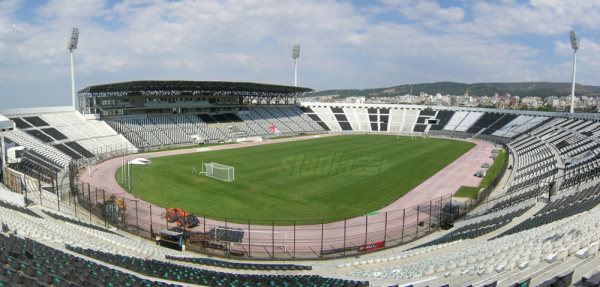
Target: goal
<point>219,171</point>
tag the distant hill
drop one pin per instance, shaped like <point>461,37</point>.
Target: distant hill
<point>525,89</point>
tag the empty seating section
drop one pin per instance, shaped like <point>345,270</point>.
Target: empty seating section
<point>21,124</point>
<point>55,134</point>
<point>429,113</point>
<point>396,120</point>
<point>146,132</point>
<point>40,135</point>
<point>384,118</point>
<point>504,120</point>
<point>78,222</point>
<point>326,115</point>
<point>519,125</point>
<point>207,119</point>
<point>420,128</point>
<point>68,151</point>
<point>79,149</point>
<point>256,124</point>
<point>577,150</point>
<point>423,120</point>
<point>318,120</point>
<point>359,119</point>
<point>52,154</point>
<point>53,140</point>
<point>514,198</point>
<point>486,120</point>
<point>409,119</point>
<point>468,121</point>
<point>95,136</point>
<point>139,132</point>
<point>187,274</point>
<point>36,121</point>
<point>443,117</point>
<point>478,228</point>
<point>45,229</point>
<point>573,238</point>
<point>38,166</point>
<point>535,162</point>
<point>219,118</point>
<point>167,130</point>
<point>26,262</point>
<point>274,116</point>
<point>238,265</point>
<point>287,120</point>
<point>560,208</point>
<point>302,119</point>
<point>455,120</point>
<point>341,118</point>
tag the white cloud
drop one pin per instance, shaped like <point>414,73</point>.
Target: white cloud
<point>425,10</point>
<point>545,17</point>
<point>343,45</point>
<point>72,10</point>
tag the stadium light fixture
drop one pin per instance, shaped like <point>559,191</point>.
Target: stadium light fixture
<point>575,46</point>
<point>295,56</point>
<point>72,45</point>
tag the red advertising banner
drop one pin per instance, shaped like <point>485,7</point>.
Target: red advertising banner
<point>371,246</point>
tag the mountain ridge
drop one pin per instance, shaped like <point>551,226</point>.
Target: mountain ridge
<point>522,89</point>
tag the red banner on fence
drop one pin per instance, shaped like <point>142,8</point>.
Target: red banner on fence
<point>371,246</point>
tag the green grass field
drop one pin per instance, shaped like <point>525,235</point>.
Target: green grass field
<point>329,177</point>
<point>467,192</point>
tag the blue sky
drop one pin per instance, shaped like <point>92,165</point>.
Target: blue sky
<point>344,44</point>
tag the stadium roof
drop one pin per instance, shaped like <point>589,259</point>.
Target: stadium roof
<point>153,86</point>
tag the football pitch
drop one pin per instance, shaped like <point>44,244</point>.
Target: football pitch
<point>327,178</point>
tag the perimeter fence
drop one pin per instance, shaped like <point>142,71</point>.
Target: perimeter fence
<point>271,239</point>
<point>263,239</point>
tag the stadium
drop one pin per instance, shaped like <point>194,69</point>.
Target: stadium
<point>242,184</point>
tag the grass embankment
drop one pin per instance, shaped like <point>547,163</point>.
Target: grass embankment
<point>490,175</point>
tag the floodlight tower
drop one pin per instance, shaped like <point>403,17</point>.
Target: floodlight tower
<point>575,46</point>
<point>72,45</point>
<point>295,56</point>
<point>3,150</point>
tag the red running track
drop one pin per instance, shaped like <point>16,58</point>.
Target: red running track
<point>395,223</point>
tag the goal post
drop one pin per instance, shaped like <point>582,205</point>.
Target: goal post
<point>219,171</point>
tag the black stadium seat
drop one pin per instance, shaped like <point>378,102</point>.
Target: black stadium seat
<point>20,123</point>
<point>186,274</point>
<point>36,121</point>
<point>54,133</point>
<point>591,279</point>
<point>562,280</point>
<point>40,135</point>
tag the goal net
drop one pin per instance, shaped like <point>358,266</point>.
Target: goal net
<point>219,171</point>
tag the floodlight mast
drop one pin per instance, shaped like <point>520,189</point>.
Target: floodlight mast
<point>3,158</point>
<point>72,45</point>
<point>295,56</point>
<point>575,46</point>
